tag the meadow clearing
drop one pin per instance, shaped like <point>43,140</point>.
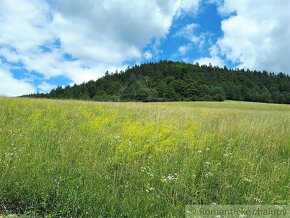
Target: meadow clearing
<point>87,159</point>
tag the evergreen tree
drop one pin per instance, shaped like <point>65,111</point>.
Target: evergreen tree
<point>179,81</point>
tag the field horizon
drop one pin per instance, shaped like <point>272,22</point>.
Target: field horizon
<point>74,158</point>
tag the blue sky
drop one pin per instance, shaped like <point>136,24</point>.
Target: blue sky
<point>48,43</point>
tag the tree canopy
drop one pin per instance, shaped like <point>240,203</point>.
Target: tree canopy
<point>179,81</point>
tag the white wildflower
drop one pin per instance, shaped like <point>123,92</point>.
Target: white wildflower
<point>258,200</point>
<point>56,182</point>
<point>170,178</point>
<point>247,179</point>
<point>209,174</point>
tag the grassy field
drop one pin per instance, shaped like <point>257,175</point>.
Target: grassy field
<point>85,159</point>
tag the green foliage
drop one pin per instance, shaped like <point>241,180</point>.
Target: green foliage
<point>178,81</point>
<point>84,159</point>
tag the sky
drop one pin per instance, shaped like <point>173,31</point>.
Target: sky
<point>50,43</point>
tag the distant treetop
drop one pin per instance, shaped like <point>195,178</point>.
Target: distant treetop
<point>179,81</point>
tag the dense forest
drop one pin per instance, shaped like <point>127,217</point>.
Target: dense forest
<point>179,81</point>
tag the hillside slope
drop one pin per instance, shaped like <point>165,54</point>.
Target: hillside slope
<point>178,81</point>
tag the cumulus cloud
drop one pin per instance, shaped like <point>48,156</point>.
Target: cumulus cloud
<point>258,35</point>
<point>45,87</point>
<point>190,6</point>
<point>98,35</point>
<point>187,31</point>
<point>195,38</point>
<point>214,61</point>
<point>111,31</point>
<point>10,86</point>
<point>184,48</point>
<point>10,56</point>
<point>148,55</point>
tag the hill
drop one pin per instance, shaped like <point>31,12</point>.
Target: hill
<point>179,81</point>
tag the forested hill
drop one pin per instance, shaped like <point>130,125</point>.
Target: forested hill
<point>178,81</point>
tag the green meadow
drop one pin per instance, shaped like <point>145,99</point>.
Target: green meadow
<point>87,159</point>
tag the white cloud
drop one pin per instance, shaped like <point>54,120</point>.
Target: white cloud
<point>188,31</point>
<point>214,61</point>
<point>147,55</point>
<point>10,86</point>
<point>190,6</point>
<point>198,40</point>
<point>258,37</point>
<point>184,49</point>
<point>110,32</point>
<point>100,35</point>
<point>24,24</point>
<point>10,56</point>
<point>45,87</point>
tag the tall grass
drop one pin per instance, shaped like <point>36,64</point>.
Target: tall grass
<point>84,159</point>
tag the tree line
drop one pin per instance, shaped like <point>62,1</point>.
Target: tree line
<point>179,81</point>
